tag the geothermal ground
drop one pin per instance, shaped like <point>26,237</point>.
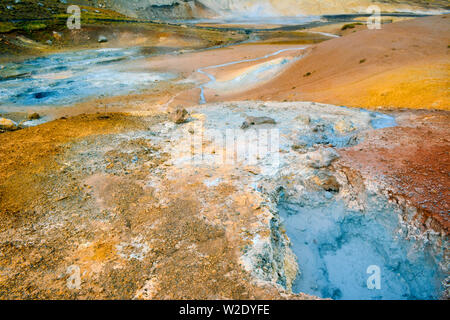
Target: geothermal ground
<point>109,191</point>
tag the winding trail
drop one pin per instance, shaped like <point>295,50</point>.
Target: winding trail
<point>213,79</point>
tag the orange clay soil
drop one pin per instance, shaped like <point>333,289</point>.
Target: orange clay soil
<point>403,65</point>
<point>27,155</point>
<point>69,196</point>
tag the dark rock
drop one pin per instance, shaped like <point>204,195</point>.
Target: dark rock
<point>254,121</point>
<point>321,158</point>
<point>102,39</point>
<point>34,116</point>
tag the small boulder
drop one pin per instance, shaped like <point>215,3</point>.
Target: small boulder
<point>254,121</point>
<point>321,158</point>
<point>34,116</point>
<point>179,115</point>
<point>102,39</point>
<point>304,119</point>
<point>7,124</point>
<point>255,170</point>
<point>57,35</point>
<point>344,126</point>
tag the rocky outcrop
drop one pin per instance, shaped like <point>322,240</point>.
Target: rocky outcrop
<point>179,115</point>
<point>7,124</point>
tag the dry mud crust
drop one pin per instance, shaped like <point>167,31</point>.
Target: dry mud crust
<point>95,197</point>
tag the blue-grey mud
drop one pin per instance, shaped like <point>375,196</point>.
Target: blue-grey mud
<point>335,247</point>
<point>70,77</point>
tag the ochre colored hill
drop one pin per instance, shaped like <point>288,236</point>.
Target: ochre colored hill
<point>403,65</point>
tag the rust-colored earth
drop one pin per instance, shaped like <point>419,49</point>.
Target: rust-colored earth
<point>413,160</point>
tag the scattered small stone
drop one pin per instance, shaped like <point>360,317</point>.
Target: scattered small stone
<point>299,147</point>
<point>57,35</point>
<point>179,116</point>
<point>305,119</point>
<point>63,198</point>
<point>254,121</point>
<point>102,39</point>
<point>34,116</point>
<point>7,124</point>
<point>318,128</point>
<point>321,158</point>
<point>253,170</point>
<point>343,126</point>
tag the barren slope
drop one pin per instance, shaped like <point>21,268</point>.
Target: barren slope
<point>402,65</point>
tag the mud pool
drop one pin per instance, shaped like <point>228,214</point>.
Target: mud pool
<point>70,77</point>
<point>335,247</point>
<point>334,243</point>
